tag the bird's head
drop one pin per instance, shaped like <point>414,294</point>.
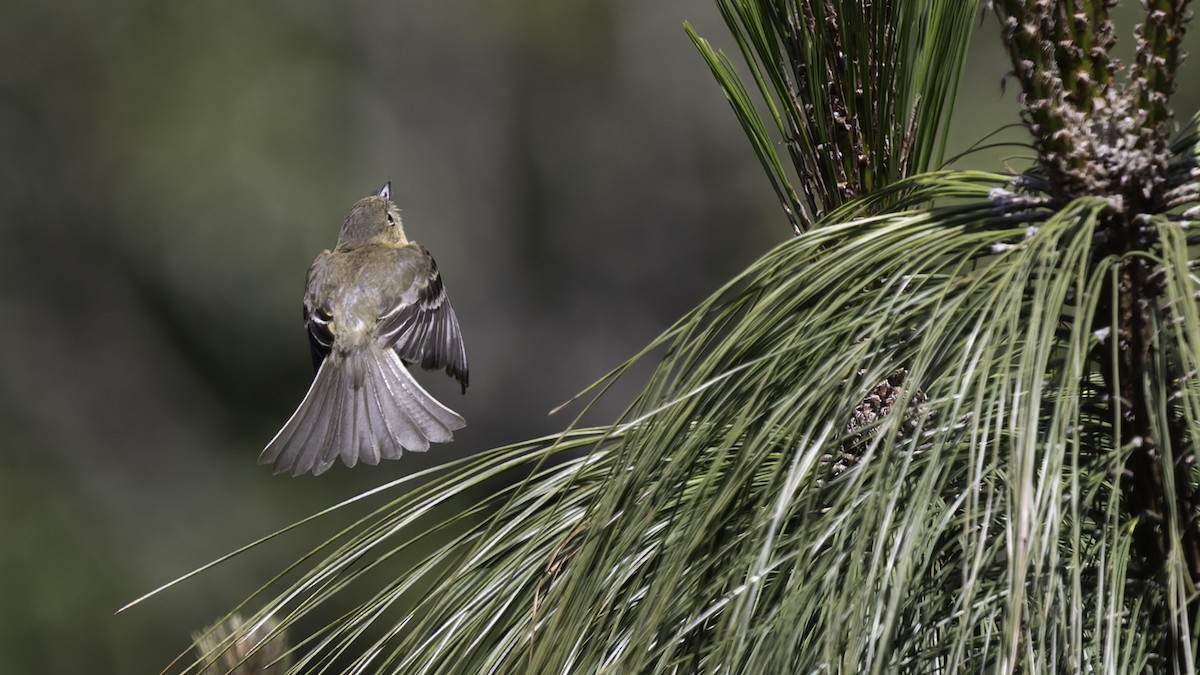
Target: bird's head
<point>372,220</point>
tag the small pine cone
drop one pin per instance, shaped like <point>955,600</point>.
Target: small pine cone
<point>227,647</point>
<point>876,405</point>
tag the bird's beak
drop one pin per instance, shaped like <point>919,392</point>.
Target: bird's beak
<point>386,190</point>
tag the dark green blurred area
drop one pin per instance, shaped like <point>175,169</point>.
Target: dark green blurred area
<point>168,172</point>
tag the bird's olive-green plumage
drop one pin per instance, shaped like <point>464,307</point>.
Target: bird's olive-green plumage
<point>371,305</point>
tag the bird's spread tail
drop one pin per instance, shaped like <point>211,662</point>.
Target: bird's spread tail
<point>362,405</point>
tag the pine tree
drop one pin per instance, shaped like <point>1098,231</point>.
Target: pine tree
<point>949,426</point>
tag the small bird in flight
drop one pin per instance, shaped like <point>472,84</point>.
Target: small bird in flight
<point>371,305</point>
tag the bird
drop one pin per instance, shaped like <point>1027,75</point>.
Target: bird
<point>373,305</point>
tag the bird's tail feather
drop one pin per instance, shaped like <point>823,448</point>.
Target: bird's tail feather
<point>362,406</point>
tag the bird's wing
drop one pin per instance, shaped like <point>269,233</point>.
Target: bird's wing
<point>317,316</point>
<point>422,327</point>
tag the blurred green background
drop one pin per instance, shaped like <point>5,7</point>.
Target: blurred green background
<point>168,172</point>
